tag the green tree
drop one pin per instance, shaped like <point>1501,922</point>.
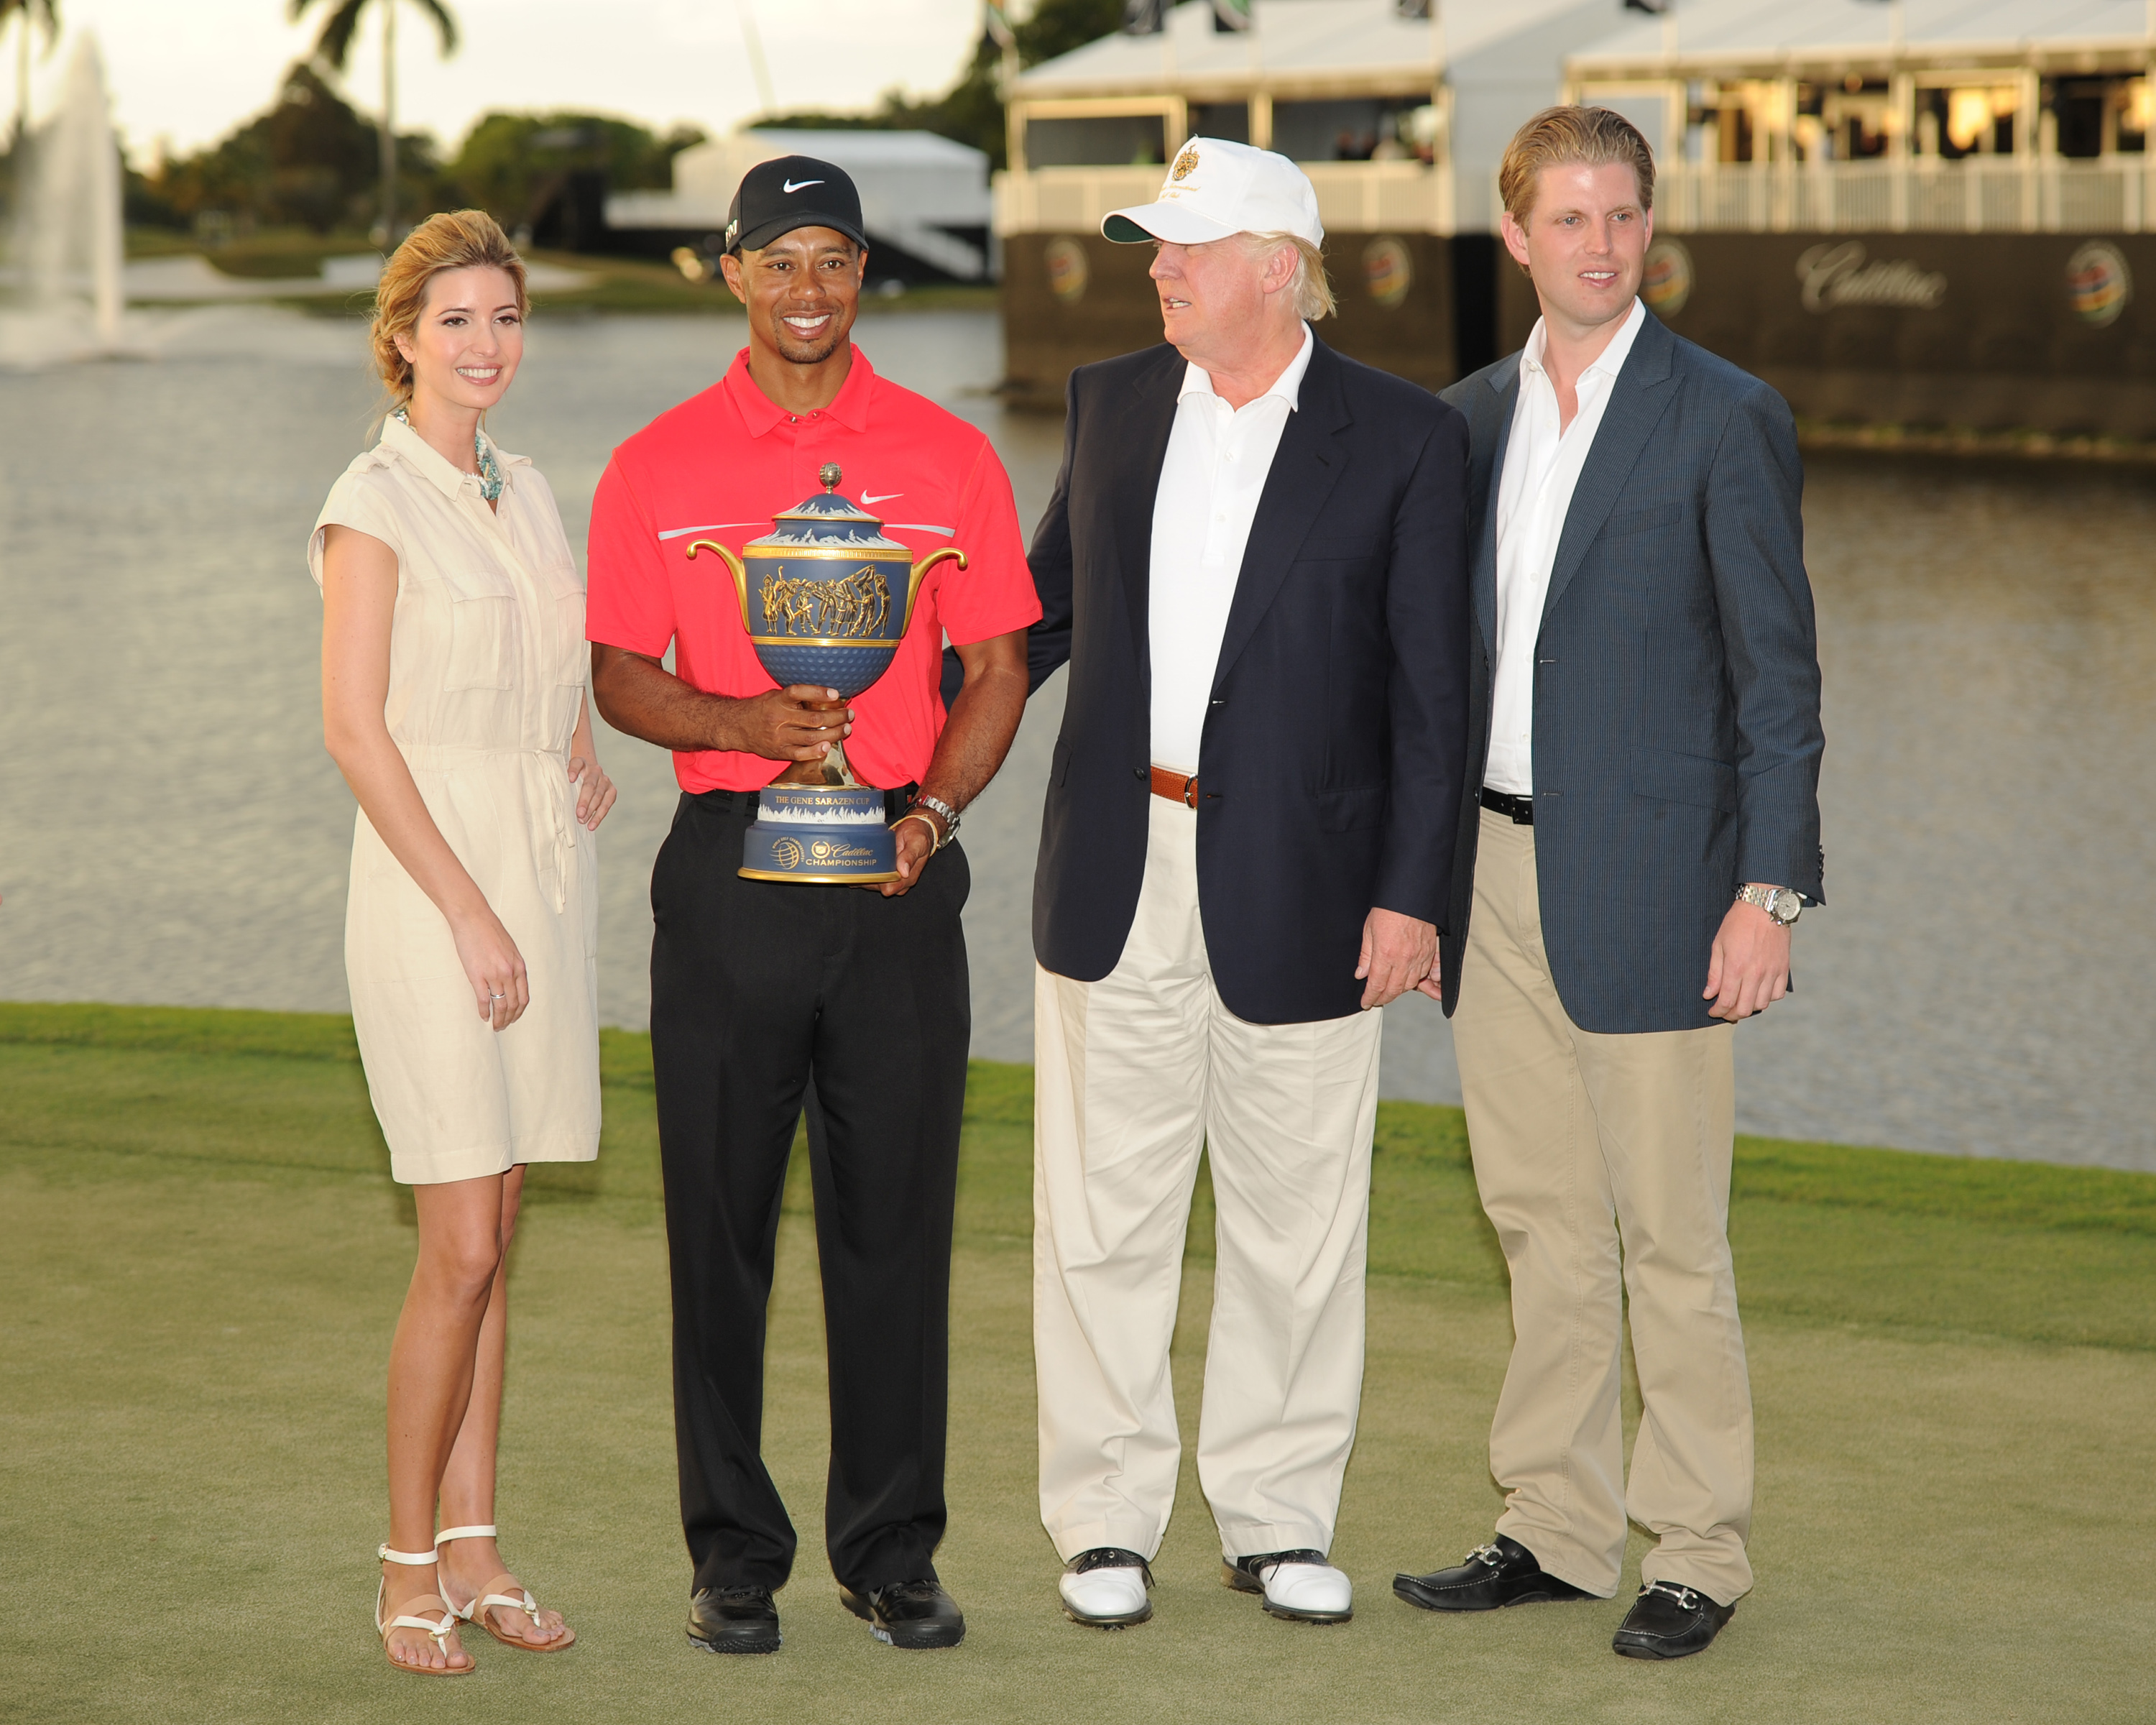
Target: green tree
<point>334,46</point>
<point>971,110</point>
<point>510,164</point>
<point>48,12</point>
<point>307,160</point>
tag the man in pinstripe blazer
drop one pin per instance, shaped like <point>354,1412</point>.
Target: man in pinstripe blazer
<point>1645,680</point>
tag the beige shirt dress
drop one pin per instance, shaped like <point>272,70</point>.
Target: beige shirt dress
<point>487,674</point>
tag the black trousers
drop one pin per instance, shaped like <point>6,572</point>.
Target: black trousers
<point>761,990</point>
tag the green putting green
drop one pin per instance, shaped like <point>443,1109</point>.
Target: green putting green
<point>1955,1363</point>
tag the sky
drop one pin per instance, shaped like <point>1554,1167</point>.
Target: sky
<point>183,75</point>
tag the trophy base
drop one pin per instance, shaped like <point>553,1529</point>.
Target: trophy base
<point>820,835</point>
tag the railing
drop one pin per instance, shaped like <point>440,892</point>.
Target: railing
<point>1979,194</point>
<point>1353,196</point>
<point>1975,195</point>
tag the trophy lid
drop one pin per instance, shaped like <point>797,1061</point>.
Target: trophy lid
<point>829,520</point>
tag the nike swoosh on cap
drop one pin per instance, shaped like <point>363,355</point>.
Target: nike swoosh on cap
<point>880,496</point>
<point>801,185</point>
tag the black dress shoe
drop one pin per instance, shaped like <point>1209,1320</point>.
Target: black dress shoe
<point>908,1613</point>
<point>1667,1621</point>
<point>1502,1573</point>
<point>734,1620</point>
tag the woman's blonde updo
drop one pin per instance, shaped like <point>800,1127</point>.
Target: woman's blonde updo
<point>462,239</point>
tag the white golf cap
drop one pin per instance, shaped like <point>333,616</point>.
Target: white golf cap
<point>1214,188</point>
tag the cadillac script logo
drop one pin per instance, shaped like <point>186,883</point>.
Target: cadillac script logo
<point>849,608</point>
<point>1835,276</point>
<point>2098,284</point>
<point>1186,164</point>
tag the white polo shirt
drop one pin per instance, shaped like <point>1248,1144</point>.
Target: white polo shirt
<point>1542,469</point>
<point>1216,470</point>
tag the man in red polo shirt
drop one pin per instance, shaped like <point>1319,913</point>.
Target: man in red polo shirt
<point>760,990</point>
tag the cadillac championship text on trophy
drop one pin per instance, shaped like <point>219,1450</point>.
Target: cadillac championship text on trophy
<point>825,598</point>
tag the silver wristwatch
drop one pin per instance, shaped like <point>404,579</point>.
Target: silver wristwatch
<point>943,812</point>
<point>1781,903</point>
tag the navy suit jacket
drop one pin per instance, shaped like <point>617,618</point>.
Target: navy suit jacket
<point>1677,692</point>
<point>1334,753</point>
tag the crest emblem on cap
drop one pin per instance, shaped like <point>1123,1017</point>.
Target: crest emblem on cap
<point>1185,164</point>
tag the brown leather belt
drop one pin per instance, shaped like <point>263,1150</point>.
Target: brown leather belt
<point>1176,786</point>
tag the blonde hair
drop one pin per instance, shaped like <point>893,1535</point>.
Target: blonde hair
<point>1562,136</point>
<point>465,239</point>
<point>1313,293</point>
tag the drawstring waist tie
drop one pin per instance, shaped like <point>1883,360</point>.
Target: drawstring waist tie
<point>549,802</point>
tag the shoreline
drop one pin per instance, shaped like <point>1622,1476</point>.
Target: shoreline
<point>1983,1188</point>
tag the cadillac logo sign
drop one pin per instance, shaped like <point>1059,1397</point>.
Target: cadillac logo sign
<point>1666,283</point>
<point>1836,275</point>
<point>2098,284</point>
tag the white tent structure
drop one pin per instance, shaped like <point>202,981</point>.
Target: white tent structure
<point>1436,98</point>
<point>921,194</point>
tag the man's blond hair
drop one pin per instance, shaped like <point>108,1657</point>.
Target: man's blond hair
<point>1313,293</point>
<point>1567,136</point>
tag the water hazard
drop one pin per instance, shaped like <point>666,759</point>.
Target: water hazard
<point>1983,978</point>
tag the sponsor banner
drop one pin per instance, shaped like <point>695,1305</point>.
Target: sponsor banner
<point>2052,307</point>
<point>1387,270</point>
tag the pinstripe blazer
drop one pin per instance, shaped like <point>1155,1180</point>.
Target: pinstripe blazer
<point>1676,693</point>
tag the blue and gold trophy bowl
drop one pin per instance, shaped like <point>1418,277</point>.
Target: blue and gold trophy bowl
<point>825,598</point>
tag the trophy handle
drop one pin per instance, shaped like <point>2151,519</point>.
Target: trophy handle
<point>740,571</point>
<point>922,568</point>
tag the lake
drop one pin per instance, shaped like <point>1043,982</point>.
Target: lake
<point>1979,981</point>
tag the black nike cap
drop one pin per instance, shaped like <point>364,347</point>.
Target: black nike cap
<point>775,197</point>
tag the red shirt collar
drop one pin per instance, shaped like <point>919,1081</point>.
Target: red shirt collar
<point>760,414</point>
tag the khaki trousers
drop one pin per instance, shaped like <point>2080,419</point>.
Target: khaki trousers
<point>1134,1075</point>
<point>1593,1152</point>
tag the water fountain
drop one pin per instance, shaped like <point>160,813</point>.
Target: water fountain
<point>68,248</point>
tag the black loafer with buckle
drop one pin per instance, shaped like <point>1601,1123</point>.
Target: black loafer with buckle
<point>734,1620</point>
<point>908,1613</point>
<point>1667,1621</point>
<point>1502,1573</point>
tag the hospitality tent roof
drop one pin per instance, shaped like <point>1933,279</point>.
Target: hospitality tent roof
<point>1306,47</point>
<point>1753,37</point>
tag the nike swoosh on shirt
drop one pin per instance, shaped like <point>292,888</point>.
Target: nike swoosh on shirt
<point>799,185</point>
<point>880,496</point>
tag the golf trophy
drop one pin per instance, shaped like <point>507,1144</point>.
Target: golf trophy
<point>825,598</point>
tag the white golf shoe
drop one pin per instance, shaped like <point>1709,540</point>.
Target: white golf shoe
<point>1298,1585</point>
<point>1106,1588</point>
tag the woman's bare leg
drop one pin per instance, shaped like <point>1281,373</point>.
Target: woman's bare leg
<point>468,1482</point>
<point>431,1371</point>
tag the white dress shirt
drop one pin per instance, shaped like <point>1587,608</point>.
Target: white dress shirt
<point>1218,459</point>
<point>1541,467</point>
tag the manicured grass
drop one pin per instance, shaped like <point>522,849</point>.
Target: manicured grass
<point>205,1256</point>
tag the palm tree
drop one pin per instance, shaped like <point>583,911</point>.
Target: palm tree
<point>334,45</point>
<point>49,12</point>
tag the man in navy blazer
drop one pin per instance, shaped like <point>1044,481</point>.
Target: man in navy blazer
<point>1255,563</point>
<point>1645,693</point>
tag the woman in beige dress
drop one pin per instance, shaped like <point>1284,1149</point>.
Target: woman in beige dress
<point>454,700</point>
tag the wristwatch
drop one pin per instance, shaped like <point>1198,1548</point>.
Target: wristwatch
<point>943,812</point>
<point>1781,903</point>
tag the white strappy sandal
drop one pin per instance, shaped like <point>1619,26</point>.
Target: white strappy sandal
<point>480,1611</point>
<point>440,1631</point>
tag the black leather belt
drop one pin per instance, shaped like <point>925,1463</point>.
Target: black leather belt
<point>1519,810</point>
<point>895,802</point>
